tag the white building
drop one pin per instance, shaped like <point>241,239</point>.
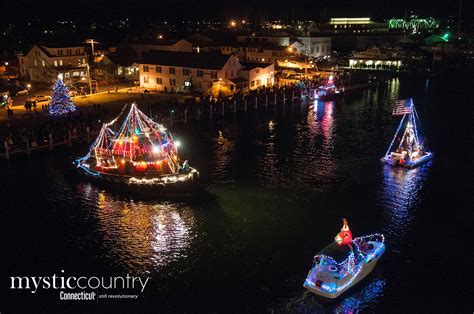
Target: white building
<point>185,71</point>
<point>45,63</point>
<point>313,46</point>
<point>257,75</point>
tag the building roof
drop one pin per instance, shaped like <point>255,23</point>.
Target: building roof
<point>157,42</point>
<point>253,65</point>
<point>122,60</point>
<point>211,61</point>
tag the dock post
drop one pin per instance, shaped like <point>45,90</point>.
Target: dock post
<point>275,103</point>
<point>186,115</point>
<point>292,96</point>
<point>171,117</point>
<point>69,139</point>
<point>88,133</point>
<point>256,102</point>
<point>28,150</point>
<point>266,101</point>
<point>199,113</point>
<point>284,98</point>
<point>7,154</point>
<point>50,141</point>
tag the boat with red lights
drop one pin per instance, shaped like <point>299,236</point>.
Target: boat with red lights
<point>141,155</point>
<point>343,263</point>
<point>328,91</point>
<point>408,148</point>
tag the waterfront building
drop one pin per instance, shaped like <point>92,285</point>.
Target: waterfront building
<point>256,75</point>
<point>374,59</point>
<point>44,63</point>
<point>187,71</point>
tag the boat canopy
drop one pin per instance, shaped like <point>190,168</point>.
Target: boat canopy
<point>339,253</point>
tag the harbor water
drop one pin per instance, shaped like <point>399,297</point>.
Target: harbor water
<point>276,186</point>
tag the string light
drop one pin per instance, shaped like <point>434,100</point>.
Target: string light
<point>140,147</point>
<point>354,265</point>
<point>60,101</point>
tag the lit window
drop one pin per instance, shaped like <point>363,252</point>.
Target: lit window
<point>145,68</point>
<point>55,63</point>
<point>60,62</point>
<point>145,80</point>
<point>159,81</point>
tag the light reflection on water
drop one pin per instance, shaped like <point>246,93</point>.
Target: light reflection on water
<point>399,193</point>
<point>143,236</point>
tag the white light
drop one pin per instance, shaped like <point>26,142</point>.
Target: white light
<point>177,143</point>
<point>155,149</point>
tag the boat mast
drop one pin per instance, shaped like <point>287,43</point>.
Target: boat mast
<point>396,134</point>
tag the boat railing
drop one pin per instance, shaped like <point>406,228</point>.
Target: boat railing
<point>376,237</point>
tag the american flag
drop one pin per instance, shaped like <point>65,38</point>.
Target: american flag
<point>402,106</point>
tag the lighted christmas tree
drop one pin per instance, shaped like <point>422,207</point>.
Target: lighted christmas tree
<point>61,103</point>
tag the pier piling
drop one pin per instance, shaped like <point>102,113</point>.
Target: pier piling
<point>7,153</point>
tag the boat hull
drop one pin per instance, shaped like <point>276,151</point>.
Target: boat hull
<point>182,184</point>
<point>366,269</point>
<point>389,161</point>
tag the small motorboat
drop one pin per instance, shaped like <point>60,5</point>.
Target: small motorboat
<point>328,91</point>
<point>343,263</point>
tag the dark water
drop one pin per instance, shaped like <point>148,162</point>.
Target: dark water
<point>278,187</point>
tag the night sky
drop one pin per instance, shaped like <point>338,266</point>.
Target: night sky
<point>180,9</point>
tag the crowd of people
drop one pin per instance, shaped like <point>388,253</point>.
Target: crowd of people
<point>79,126</point>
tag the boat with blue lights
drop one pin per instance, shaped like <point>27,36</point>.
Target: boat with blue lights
<point>343,263</point>
<point>140,155</point>
<point>408,148</point>
<point>328,91</point>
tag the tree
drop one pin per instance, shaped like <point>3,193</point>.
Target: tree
<point>60,101</point>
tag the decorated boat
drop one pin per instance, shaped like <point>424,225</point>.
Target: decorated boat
<point>328,91</point>
<point>408,148</point>
<point>141,155</point>
<point>343,263</point>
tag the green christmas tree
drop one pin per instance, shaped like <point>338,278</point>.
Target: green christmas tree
<point>61,103</point>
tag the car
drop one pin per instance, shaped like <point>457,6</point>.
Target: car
<point>39,98</point>
<point>22,91</point>
<point>17,90</point>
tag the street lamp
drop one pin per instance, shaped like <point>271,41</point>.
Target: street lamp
<point>28,87</point>
<point>92,42</point>
<point>220,83</point>
<point>6,63</point>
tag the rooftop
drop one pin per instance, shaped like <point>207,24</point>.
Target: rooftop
<point>212,61</point>
<point>253,65</point>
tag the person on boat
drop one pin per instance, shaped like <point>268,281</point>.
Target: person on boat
<point>345,236</point>
<point>185,167</point>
